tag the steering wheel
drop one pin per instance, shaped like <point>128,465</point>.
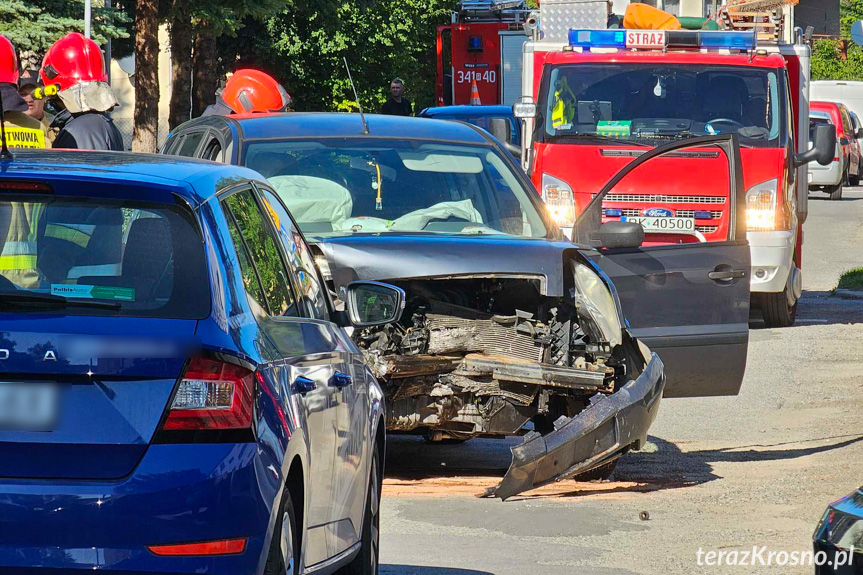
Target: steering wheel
<point>726,121</point>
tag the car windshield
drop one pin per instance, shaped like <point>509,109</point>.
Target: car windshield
<point>87,258</point>
<point>349,186</point>
<point>650,105</point>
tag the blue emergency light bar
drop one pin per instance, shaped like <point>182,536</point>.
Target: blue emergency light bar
<point>655,39</point>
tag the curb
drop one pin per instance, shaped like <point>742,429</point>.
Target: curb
<point>848,294</point>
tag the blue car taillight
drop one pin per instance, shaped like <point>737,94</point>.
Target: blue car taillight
<point>214,395</point>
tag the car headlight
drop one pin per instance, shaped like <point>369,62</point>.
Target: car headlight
<point>559,200</point>
<point>324,267</point>
<point>599,302</point>
<point>761,205</point>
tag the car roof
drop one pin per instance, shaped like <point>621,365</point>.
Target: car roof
<point>468,111</point>
<point>195,180</point>
<point>318,124</point>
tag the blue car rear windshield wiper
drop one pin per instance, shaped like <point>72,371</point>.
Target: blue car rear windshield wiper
<point>39,299</point>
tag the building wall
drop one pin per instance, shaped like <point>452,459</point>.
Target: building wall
<point>822,14</point>
<point>122,84</point>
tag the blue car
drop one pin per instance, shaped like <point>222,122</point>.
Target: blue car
<point>178,394</point>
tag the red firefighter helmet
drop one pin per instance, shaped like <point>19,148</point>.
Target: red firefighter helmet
<point>71,60</point>
<point>254,91</point>
<point>8,62</point>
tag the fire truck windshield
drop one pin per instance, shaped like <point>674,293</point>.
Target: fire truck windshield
<point>647,105</point>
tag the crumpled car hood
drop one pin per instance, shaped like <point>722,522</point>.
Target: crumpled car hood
<point>390,256</point>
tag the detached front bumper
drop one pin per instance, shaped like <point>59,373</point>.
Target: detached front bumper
<point>610,425</point>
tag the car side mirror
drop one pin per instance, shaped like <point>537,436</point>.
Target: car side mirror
<point>824,138</point>
<point>501,129</point>
<point>617,235</point>
<point>370,304</point>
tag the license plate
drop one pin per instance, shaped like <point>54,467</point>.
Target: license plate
<point>662,224</point>
<point>28,406</point>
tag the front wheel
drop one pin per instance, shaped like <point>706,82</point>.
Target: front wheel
<point>776,311</point>
<point>600,473</point>
<point>366,562</point>
<point>834,192</point>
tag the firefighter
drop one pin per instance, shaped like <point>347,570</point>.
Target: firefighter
<point>248,91</point>
<point>564,108</point>
<point>74,77</point>
<point>20,222</point>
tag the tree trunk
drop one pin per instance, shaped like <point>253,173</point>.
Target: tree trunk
<point>145,135</point>
<point>181,66</point>
<point>205,79</point>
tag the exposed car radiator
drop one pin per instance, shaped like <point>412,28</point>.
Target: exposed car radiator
<point>498,335</point>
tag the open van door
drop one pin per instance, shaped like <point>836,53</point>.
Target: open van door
<point>688,302</point>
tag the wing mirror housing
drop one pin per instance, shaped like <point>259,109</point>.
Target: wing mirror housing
<point>824,138</point>
<point>501,129</point>
<point>617,235</point>
<point>370,304</point>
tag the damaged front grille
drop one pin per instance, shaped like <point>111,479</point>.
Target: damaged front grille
<point>514,336</point>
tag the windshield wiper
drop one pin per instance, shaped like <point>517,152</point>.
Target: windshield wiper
<point>49,300</point>
<point>599,138</point>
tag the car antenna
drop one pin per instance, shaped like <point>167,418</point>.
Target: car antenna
<point>357,98</point>
<point>5,154</point>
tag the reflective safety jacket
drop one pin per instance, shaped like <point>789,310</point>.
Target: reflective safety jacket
<point>564,105</point>
<point>19,224</point>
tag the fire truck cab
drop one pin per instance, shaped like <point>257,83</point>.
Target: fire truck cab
<point>594,98</point>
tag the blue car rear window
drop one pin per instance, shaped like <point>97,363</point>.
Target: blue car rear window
<point>101,258</point>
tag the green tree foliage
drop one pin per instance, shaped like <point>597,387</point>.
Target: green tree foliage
<point>33,25</point>
<point>304,46</point>
<point>828,60</point>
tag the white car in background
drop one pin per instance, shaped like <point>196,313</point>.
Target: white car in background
<point>826,178</point>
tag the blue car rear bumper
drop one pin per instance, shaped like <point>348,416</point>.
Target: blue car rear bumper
<point>177,494</point>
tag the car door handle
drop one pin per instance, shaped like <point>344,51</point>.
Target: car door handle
<point>724,274</point>
<point>303,385</point>
<point>341,380</point>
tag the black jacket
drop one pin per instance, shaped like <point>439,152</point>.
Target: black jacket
<point>393,108</point>
<point>87,131</point>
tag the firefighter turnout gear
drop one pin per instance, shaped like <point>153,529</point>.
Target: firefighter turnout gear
<point>74,67</point>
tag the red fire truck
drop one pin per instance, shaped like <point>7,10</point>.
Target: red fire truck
<point>482,45</point>
<point>593,99</point>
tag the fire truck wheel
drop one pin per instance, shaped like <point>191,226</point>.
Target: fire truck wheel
<point>834,192</point>
<point>776,311</point>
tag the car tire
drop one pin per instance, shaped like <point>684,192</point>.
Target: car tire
<point>776,311</point>
<point>834,192</point>
<point>368,559</point>
<point>283,557</point>
<point>600,473</point>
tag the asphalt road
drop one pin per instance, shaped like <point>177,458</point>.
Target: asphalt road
<point>720,473</point>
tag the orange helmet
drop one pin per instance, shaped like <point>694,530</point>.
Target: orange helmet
<point>71,60</point>
<point>254,91</point>
<point>8,62</point>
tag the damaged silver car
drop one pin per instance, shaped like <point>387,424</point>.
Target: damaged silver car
<point>509,328</point>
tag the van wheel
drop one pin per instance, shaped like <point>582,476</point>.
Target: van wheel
<point>366,562</point>
<point>776,311</point>
<point>834,192</point>
<point>284,548</point>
